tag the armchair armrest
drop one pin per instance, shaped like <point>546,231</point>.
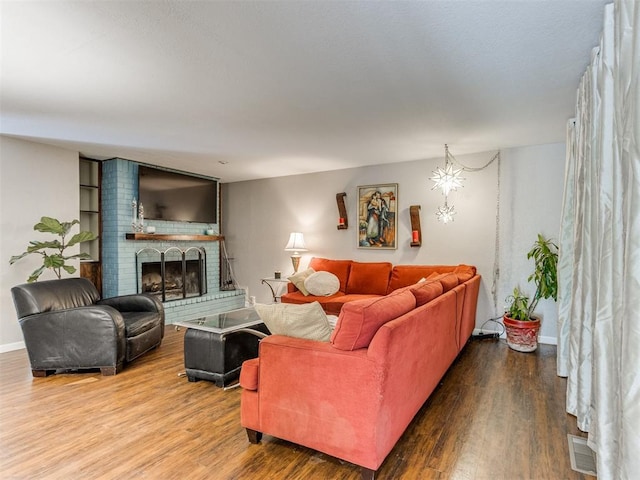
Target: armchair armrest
<point>92,336</point>
<point>137,302</point>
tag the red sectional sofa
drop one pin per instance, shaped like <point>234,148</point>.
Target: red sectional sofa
<point>359,280</point>
<point>354,396</point>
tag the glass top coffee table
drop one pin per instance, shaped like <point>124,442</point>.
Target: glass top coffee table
<point>216,345</point>
<point>224,322</point>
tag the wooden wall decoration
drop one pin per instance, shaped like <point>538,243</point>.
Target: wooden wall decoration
<point>416,230</point>
<point>343,222</point>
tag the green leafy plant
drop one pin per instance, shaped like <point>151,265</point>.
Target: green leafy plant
<point>545,277</point>
<point>518,304</point>
<point>55,259</point>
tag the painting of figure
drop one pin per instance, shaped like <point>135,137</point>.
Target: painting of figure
<point>377,227</point>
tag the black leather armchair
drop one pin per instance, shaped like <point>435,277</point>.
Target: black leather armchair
<point>67,327</point>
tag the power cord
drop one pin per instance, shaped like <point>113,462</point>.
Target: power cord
<point>482,336</point>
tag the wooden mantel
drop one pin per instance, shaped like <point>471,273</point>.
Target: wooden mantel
<point>174,237</point>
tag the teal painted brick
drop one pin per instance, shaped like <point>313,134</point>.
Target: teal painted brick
<point>119,188</point>
<point>184,310</point>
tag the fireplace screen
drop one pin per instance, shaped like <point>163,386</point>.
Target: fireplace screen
<point>172,274</point>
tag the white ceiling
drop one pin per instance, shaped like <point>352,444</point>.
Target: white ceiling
<point>256,89</point>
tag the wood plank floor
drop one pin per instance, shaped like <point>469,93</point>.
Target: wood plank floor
<point>497,414</point>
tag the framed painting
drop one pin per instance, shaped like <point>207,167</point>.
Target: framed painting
<point>377,222</point>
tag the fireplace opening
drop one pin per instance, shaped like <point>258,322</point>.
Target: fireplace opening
<point>173,279</point>
<point>176,285</point>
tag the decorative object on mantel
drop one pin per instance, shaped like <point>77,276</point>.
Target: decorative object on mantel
<point>137,221</point>
<point>174,237</point>
<point>416,230</point>
<point>56,261</point>
<point>377,223</point>
<point>448,179</point>
<point>343,221</point>
<point>296,245</point>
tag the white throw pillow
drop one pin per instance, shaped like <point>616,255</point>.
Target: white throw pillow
<point>298,280</point>
<point>301,321</point>
<point>322,284</point>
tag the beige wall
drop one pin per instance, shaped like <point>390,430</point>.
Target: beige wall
<point>35,180</point>
<point>259,215</point>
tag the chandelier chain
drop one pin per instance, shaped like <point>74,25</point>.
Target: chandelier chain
<point>473,169</point>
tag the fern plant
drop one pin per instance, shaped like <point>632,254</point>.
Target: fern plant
<point>52,251</point>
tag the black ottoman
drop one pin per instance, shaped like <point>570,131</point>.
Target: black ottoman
<point>217,357</point>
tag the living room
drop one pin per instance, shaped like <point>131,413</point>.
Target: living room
<point>499,210</point>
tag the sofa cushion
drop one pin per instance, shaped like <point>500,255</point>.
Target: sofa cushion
<point>322,284</point>
<point>360,320</point>
<point>137,323</point>
<point>340,268</point>
<point>426,291</point>
<point>404,275</point>
<point>302,321</point>
<point>333,305</point>
<point>369,278</point>
<point>299,299</point>
<point>448,280</point>
<point>298,279</point>
<point>464,272</point>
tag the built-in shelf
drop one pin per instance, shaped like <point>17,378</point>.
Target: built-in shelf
<point>89,218</point>
<point>174,237</point>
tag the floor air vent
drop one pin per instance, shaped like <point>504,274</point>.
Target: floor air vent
<point>583,459</point>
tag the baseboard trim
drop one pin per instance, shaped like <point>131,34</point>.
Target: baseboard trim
<point>541,339</point>
<point>548,340</point>
<point>10,347</point>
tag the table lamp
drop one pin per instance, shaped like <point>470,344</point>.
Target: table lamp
<point>296,245</point>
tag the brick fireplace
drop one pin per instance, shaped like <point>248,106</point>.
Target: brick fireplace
<point>120,269</point>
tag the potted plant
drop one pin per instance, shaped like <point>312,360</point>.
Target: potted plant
<point>520,323</point>
<point>55,260</point>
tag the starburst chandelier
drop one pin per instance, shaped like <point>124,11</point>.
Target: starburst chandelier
<point>445,213</point>
<point>447,178</point>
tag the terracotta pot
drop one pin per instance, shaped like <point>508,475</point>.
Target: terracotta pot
<point>522,336</point>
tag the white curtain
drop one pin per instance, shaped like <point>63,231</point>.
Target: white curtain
<point>599,263</point>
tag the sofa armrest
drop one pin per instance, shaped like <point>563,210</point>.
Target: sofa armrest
<point>315,395</point>
<point>134,303</point>
<point>77,336</point>
<point>249,374</point>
